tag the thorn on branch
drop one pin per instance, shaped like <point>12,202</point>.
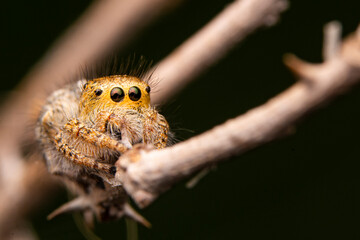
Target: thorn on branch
<point>332,40</point>
<point>77,204</point>
<point>272,19</point>
<point>306,71</point>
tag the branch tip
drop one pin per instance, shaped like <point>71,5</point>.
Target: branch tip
<point>300,67</point>
<point>143,198</point>
<point>272,19</point>
<point>130,212</point>
<point>77,204</point>
<point>357,32</point>
<point>332,39</point>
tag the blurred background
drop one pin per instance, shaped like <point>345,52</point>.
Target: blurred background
<point>306,186</point>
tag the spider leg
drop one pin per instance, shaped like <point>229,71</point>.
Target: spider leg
<point>93,136</point>
<point>80,159</point>
<point>56,137</point>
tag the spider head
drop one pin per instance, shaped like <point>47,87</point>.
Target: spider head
<point>114,92</point>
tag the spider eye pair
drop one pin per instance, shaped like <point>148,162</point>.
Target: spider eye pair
<point>117,94</point>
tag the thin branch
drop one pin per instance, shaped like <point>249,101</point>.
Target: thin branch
<point>332,39</point>
<point>212,43</point>
<point>146,173</point>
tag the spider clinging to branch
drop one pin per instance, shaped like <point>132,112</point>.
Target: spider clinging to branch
<point>83,129</point>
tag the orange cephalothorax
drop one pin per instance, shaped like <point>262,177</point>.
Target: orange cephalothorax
<point>114,92</point>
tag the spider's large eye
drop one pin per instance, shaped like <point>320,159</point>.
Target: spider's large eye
<point>134,93</point>
<point>117,94</point>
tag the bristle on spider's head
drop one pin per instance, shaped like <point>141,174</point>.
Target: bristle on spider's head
<point>133,65</point>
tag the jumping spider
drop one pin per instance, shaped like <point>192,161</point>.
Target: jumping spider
<point>84,128</point>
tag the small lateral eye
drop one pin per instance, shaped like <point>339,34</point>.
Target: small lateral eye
<point>134,93</point>
<point>98,92</point>
<point>147,89</point>
<point>117,94</point>
<point>85,85</point>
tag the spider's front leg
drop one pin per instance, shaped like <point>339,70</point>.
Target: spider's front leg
<point>62,138</point>
<point>93,136</point>
<point>78,158</point>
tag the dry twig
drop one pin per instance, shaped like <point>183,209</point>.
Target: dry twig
<point>146,173</point>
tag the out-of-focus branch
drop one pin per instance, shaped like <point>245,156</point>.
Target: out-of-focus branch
<point>32,188</point>
<point>147,173</point>
<point>212,43</point>
<point>105,25</point>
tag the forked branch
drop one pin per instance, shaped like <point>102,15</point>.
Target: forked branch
<point>94,35</point>
<point>147,173</point>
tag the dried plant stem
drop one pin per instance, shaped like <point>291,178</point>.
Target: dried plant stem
<point>146,174</point>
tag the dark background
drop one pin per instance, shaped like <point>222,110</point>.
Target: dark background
<point>306,186</point>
